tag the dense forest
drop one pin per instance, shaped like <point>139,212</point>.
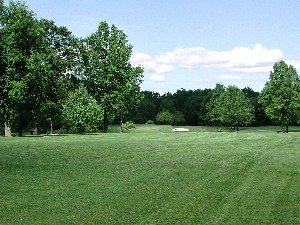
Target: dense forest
<point>52,80</point>
<point>188,107</point>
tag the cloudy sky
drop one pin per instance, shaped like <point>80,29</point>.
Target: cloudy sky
<point>192,44</point>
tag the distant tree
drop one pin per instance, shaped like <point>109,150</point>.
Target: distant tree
<point>259,113</point>
<point>167,103</point>
<point>165,118</point>
<point>2,68</point>
<point>1,6</point>
<point>190,104</point>
<point>178,118</point>
<point>203,100</point>
<point>214,106</point>
<point>109,76</point>
<point>281,95</point>
<point>230,106</point>
<point>236,109</point>
<point>147,109</point>
<point>82,112</point>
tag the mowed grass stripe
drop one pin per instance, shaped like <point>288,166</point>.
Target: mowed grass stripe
<point>151,176</point>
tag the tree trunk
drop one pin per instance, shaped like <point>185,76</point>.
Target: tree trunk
<point>7,130</point>
<point>237,129</point>
<point>121,124</point>
<point>284,127</point>
<point>20,126</point>
<point>105,121</point>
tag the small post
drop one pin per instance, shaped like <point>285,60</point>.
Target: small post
<point>7,130</point>
<point>121,124</point>
<point>51,126</point>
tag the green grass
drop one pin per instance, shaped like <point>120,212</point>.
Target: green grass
<point>151,175</point>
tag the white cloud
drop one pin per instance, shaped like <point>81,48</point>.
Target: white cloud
<point>152,66</point>
<point>137,58</point>
<point>163,68</point>
<point>256,59</point>
<point>157,77</point>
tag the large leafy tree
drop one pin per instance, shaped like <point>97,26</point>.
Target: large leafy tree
<point>230,106</point>
<point>22,54</point>
<point>281,95</point>
<point>236,108</point>
<point>165,118</point>
<point>110,77</point>
<point>64,66</point>
<point>38,61</point>
<point>2,64</point>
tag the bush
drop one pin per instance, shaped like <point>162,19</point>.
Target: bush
<point>150,122</point>
<point>82,112</point>
<point>178,118</point>
<point>129,125</point>
<point>165,118</point>
<point>63,130</point>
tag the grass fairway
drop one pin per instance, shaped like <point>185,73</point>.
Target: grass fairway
<point>152,176</point>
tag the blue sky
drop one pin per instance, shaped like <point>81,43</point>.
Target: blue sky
<point>192,44</point>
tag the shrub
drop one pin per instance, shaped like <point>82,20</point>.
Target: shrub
<point>129,125</point>
<point>165,118</point>
<point>178,118</point>
<point>150,122</point>
<point>82,112</point>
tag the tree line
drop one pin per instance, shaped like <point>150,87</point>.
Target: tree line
<point>202,107</point>
<point>277,104</point>
<point>49,77</point>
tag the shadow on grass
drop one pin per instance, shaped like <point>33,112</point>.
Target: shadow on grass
<point>294,131</point>
<point>44,135</point>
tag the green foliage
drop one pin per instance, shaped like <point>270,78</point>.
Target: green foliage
<point>259,113</point>
<point>22,66</point>
<point>192,104</point>
<point>236,108</point>
<point>110,78</point>
<point>165,118</point>
<point>230,106</point>
<point>40,63</point>
<point>167,103</point>
<point>35,58</point>
<point>178,118</point>
<point>129,125</point>
<point>61,75</point>
<point>214,113</point>
<point>82,112</point>
<point>150,122</point>
<point>148,107</point>
<point>281,95</point>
